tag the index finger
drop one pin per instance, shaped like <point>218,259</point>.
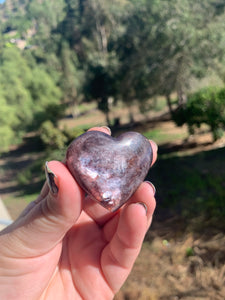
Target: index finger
<point>126,240</point>
<point>154,151</point>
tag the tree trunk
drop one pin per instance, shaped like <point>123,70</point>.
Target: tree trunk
<point>182,98</point>
<point>168,100</point>
<point>103,105</point>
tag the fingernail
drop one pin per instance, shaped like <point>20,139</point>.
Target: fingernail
<point>152,185</point>
<point>156,146</point>
<point>107,128</point>
<point>143,205</point>
<point>50,176</point>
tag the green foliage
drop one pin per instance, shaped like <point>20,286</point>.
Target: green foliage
<point>45,18</point>
<point>45,98</point>
<point>28,97</point>
<point>72,133</point>
<point>8,121</point>
<point>101,84</point>
<point>51,136</point>
<point>206,106</point>
<point>7,137</point>
<point>71,76</point>
<point>32,171</point>
<point>164,45</point>
<point>189,251</point>
<point>129,50</point>
<point>54,138</point>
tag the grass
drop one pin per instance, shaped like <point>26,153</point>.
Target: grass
<point>87,126</point>
<point>192,186</point>
<point>161,136</point>
<point>21,197</point>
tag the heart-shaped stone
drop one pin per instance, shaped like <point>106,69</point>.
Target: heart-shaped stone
<point>109,169</point>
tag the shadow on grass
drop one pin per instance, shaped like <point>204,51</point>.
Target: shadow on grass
<point>190,187</point>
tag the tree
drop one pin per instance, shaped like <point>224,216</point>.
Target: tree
<point>101,64</point>
<point>100,85</point>
<point>15,78</point>
<point>206,106</point>
<point>88,27</point>
<point>71,77</point>
<point>28,96</point>
<point>8,121</point>
<point>44,18</point>
<point>46,99</point>
<point>165,44</point>
<point>96,50</point>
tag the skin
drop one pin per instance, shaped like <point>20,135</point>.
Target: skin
<point>65,246</point>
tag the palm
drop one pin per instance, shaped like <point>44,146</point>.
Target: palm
<point>80,264</point>
<point>85,265</point>
<point>75,266</point>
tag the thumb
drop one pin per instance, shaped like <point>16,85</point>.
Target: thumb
<point>46,221</point>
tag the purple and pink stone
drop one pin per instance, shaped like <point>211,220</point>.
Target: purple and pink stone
<point>109,169</point>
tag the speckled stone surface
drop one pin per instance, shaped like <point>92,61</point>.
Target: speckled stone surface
<point>109,169</point>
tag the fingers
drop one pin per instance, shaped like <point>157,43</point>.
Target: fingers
<point>155,150</point>
<point>120,254</point>
<point>46,223</point>
<point>145,194</point>
<point>101,215</point>
<point>97,212</point>
<point>104,129</point>
<point>65,198</point>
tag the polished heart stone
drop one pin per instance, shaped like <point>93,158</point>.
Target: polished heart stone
<point>109,169</point>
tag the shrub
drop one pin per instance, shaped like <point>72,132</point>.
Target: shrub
<point>51,136</point>
<point>206,106</point>
<point>54,138</point>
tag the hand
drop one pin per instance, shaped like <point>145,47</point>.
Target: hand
<point>66,247</point>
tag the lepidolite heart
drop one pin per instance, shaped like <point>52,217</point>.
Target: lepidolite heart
<point>109,169</point>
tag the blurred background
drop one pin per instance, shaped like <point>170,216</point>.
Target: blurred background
<point>156,67</point>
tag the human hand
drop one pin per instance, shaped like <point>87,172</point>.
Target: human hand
<point>65,246</point>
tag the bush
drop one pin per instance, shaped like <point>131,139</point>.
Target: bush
<point>72,133</point>
<point>7,138</point>
<point>54,138</point>
<point>28,96</point>
<point>55,142</point>
<point>206,106</point>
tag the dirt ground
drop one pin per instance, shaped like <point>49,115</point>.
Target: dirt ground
<point>186,266</point>
<point>173,263</point>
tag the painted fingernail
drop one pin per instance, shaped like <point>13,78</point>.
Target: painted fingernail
<point>156,146</point>
<point>50,176</point>
<point>143,205</point>
<point>152,185</point>
<point>107,128</point>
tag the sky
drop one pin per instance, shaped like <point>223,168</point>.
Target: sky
<point>1,1</point>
